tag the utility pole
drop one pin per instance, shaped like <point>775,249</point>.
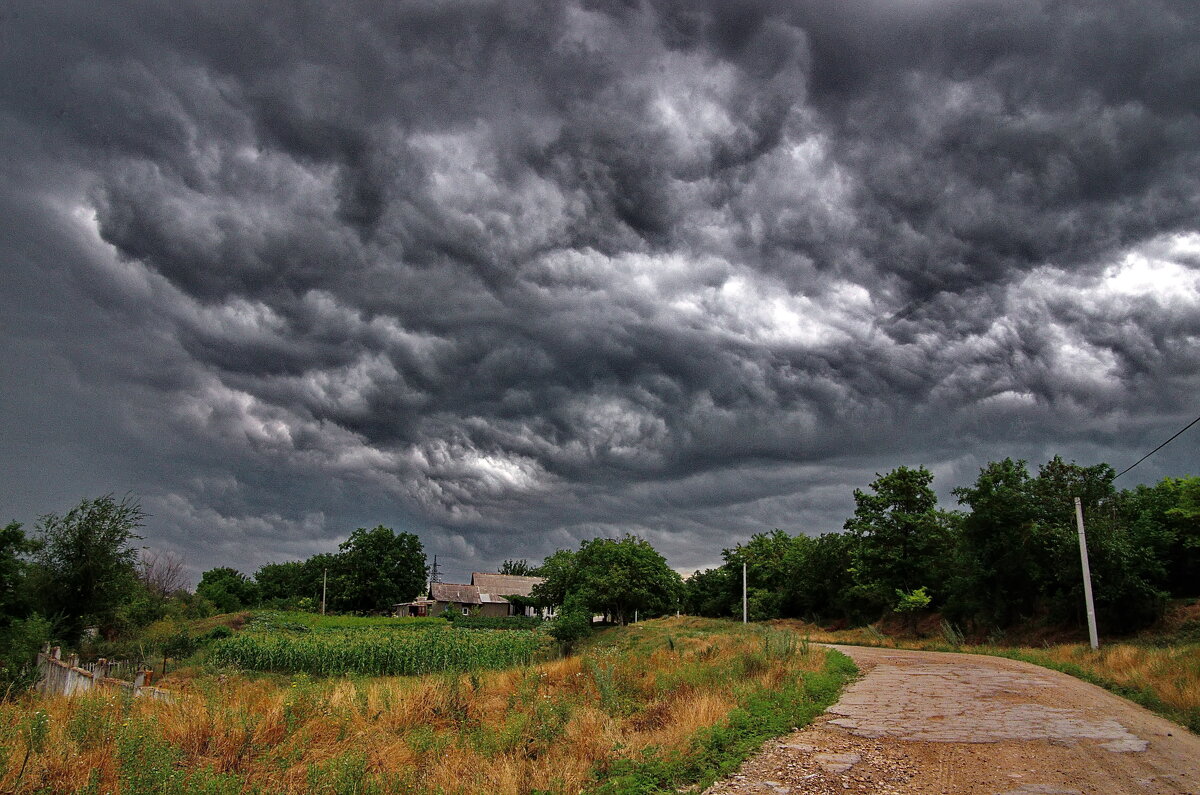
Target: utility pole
<point>745,610</point>
<point>1087,576</point>
<point>324,585</point>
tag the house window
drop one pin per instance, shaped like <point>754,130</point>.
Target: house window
<point>466,611</point>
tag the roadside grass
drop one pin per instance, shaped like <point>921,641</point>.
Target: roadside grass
<point>652,707</point>
<point>1164,678</point>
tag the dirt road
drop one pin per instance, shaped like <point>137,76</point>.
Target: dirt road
<point>926,722</point>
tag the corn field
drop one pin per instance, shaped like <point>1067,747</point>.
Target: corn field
<point>379,653</point>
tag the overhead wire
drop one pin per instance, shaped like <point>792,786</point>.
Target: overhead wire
<point>1156,449</point>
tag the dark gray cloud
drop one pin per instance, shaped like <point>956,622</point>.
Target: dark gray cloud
<point>513,274</point>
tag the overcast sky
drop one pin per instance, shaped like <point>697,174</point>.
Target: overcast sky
<point>513,275</point>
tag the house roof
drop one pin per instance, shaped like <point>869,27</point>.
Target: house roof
<point>504,584</point>
<point>453,592</point>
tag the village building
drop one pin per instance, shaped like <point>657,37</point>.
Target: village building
<point>485,596</point>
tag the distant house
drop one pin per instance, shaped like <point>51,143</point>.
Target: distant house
<point>485,596</point>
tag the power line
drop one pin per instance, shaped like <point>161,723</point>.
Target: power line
<point>1156,449</point>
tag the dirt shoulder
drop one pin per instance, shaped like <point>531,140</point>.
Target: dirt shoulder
<point>929,722</point>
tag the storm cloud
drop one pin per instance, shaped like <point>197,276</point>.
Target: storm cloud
<point>509,275</point>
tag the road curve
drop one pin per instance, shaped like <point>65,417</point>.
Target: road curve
<point>932,722</point>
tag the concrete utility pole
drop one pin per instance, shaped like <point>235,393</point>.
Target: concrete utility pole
<point>745,610</point>
<point>324,584</point>
<point>1087,576</point>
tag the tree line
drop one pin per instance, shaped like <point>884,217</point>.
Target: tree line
<point>82,580</point>
<point>1008,554</point>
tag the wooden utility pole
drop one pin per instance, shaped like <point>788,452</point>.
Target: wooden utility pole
<point>324,583</point>
<point>1087,576</point>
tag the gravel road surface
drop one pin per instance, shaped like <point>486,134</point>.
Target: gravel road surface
<point>929,722</point>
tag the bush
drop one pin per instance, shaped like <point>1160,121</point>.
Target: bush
<point>20,643</point>
<point>574,622</point>
<point>495,622</point>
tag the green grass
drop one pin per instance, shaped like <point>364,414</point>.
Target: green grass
<point>717,751</point>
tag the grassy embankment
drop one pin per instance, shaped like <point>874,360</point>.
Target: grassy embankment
<point>647,708</point>
<point>1159,671</point>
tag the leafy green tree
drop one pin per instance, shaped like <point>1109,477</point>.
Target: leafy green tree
<point>709,593</point>
<point>1020,553</point>
<point>769,558</point>
<point>1164,520</point>
<point>619,576</point>
<point>1009,557</point>
<point>228,589</point>
<point>558,573</point>
<point>902,540</point>
<point>822,584</point>
<point>281,584</point>
<point>518,568</point>
<point>87,562</point>
<point>14,595</point>
<point>376,569</point>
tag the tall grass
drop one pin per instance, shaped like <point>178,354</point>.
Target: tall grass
<point>659,706</point>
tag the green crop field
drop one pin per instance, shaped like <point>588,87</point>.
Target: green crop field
<point>379,652</point>
<point>295,621</point>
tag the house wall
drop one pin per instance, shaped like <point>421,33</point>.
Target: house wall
<point>495,609</point>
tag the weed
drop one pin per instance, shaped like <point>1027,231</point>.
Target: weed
<point>951,634</point>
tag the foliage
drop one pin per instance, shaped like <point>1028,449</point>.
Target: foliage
<point>14,547</point>
<point>376,569</point>
<point>378,653</point>
<point>283,583</point>
<point>87,562</point>
<point>709,593</point>
<point>228,589</point>
<point>912,601</point>
<point>613,576</point>
<point>20,641</point>
<point>901,538</point>
<point>494,622</point>
<point>573,623</point>
<point>558,573</point>
<point>520,568</point>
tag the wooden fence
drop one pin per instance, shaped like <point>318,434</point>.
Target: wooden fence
<point>68,677</point>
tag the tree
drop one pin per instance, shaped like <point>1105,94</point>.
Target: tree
<point>376,569</point>
<point>709,593</point>
<point>14,596</point>
<point>87,562</point>
<point>822,580</point>
<point>160,572</point>
<point>1009,556</point>
<point>903,541</point>
<point>619,576</point>
<point>283,583</point>
<point>228,589</point>
<point>519,568</point>
<point>558,578</point>
<point>768,558</point>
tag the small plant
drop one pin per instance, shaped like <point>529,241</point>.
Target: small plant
<point>874,635</point>
<point>952,634</point>
<point>913,601</point>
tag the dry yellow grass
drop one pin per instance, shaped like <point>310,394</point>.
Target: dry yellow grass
<point>544,728</point>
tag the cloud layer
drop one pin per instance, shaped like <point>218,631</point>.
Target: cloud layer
<point>512,274</point>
